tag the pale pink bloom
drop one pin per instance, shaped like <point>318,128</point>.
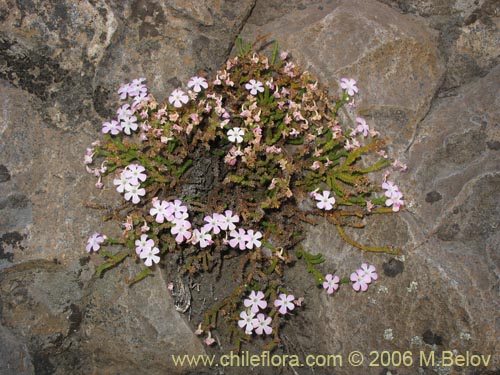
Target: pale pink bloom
<point>212,224</point>
<point>162,210</point>
<point>238,238</point>
<point>325,202</point>
<point>261,324</point>
<point>253,239</point>
<point>144,243</point>
<point>316,165</point>
<point>255,301</point>
<point>331,284</point>
<point>134,174</point>
<point>145,228</point>
<point>369,206</point>
<point>149,254</point>
<point>112,127</point>
<point>204,238</point>
<point>349,85</point>
<point>181,230</point>
<point>351,144</point>
<point>197,83</point>
<point>129,124</point>
<point>254,86</point>
<point>133,193</point>
<point>94,242</point>
<point>177,98</point>
<point>209,340</point>
<point>369,271</point>
<point>360,281</point>
<point>390,188</point>
<point>362,127</point>
<point>226,221</point>
<point>124,112</point>
<point>178,210</point>
<point>285,303</point>
<point>396,201</point>
<point>246,321</point>
<point>199,330</point>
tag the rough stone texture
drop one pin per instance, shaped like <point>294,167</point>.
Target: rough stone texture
<point>429,78</point>
<point>388,54</point>
<point>61,63</point>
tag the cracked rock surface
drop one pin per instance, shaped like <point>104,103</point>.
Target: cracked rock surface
<point>429,78</point>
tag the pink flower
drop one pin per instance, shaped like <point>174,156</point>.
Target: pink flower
<point>246,321</point>
<point>261,324</point>
<point>212,223</point>
<point>325,202</point>
<point>134,174</point>
<point>390,189</point>
<point>226,221</point>
<point>362,127</point>
<point>253,239</point>
<point>197,83</point>
<point>238,238</point>
<point>396,201</point>
<point>360,281</point>
<point>331,284</point>
<point>209,340</point>
<point>254,86</point>
<point>144,243</point>
<point>178,210</point>
<point>181,230</point>
<point>124,112</point>
<point>133,193</point>
<point>177,98</point>
<point>162,210</point>
<point>285,303</point>
<point>349,85</point>
<point>112,127</point>
<point>149,254</point>
<point>94,242</point>
<point>369,271</point>
<point>204,238</point>
<point>255,301</point>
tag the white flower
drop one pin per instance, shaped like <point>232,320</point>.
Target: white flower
<point>253,239</point>
<point>133,192</point>
<point>124,112</point>
<point>177,98</point>
<point>254,86</point>
<point>143,244</point>
<point>128,124</point>
<point>325,202</point>
<point>162,210</point>
<point>121,183</point>
<point>94,242</point>
<point>134,174</point>
<point>150,255</point>
<point>235,135</point>
<point>197,83</point>
<point>349,85</point>
<point>246,321</point>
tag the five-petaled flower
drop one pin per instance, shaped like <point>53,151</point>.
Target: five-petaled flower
<point>162,210</point>
<point>113,127</point>
<point>239,238</point>
<point>349,85</point>
<point>360,281</point>
<point>177,98</point>
<point>362,127</point>
<point>325,202</point>
<point>285,303</point>
<point>149,254</point>
<point>235,135</point>
<point>369,271</point>
<point>261,324</point>
<point>94,242</point>
<point>197,83</point>
<point>227,221</point>
<point>253,239</point>
<point>331,283</point>
<point>144,243</point>
<point>255,301</point>
<point>254,86</point>
<point>246,321</point>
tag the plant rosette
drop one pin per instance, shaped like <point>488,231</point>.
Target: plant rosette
<point>228,171</point>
